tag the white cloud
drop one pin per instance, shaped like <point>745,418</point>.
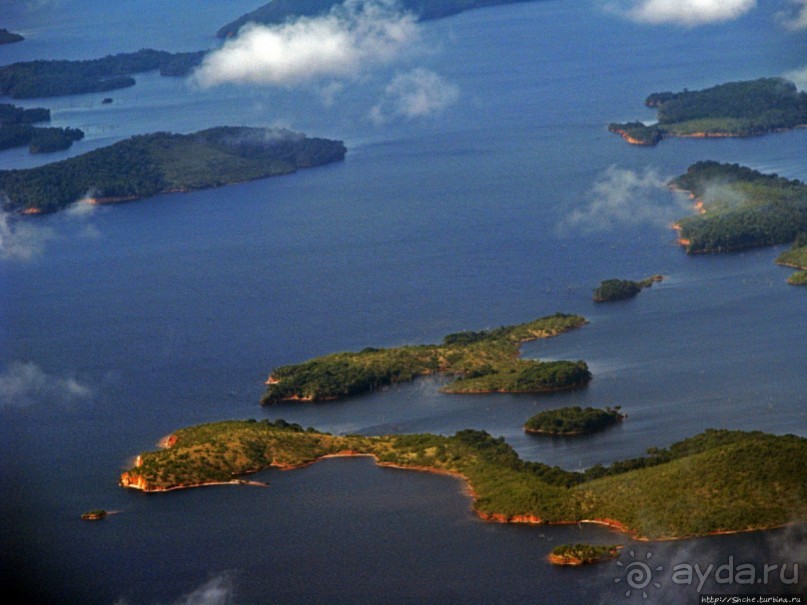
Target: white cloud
<point>23,384</point>
<point>339,45</point>
<point>415,94</point>
<point>796,17</point>
<point>799,77</point>
<point>683,12</point>
<point>20,239</point>
<point>626,197</point>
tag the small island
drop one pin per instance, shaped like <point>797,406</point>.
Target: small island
<point>145,165</point>
<point>94,515</point>
<point>573,421</point>
<point>482,362</point>
<point>734,109</point>
<point>281,11</point>
<point>796,257</point>
<point>716,482</point>
<point>739,208</point>
<point>582,554</point>
<point>17,130</point>
<point>54,78</point>
<point>7,37</point>
<point>620,289</point>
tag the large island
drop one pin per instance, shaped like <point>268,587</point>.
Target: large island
<point>146,165</point>
<point>735,109</point>
<point>483,362</point>
<point>739,208</point>
<point>718,481</point>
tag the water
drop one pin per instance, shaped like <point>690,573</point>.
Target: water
<point>144,317</point>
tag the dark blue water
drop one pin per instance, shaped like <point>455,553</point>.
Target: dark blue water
<point>137,319</point>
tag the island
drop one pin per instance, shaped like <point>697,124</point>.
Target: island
<point>620,289</point>
<point>54,78</point>
<point>7,37</point>
<point>573,420</point>
<point>734,109</point>
<point>486,361</point>
<point>715,482</point>
<point>280,11</point>
<point>94,515</point>
<point>17,130</point>
<point>582,554</point>
<point>739,208</point>
<point>796,257</point>
<point>146,165</point>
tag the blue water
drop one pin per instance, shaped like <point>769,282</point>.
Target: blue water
<point>173,310</point>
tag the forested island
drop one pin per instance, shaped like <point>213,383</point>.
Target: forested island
<point>735,109</point>
<point>582,554</point>
<point>573,420</point>
<point>620,289</point>
<point>717,481</point>
<point>740,208</point>
<point>796,257</point>
<point>483,362</point>
<point>146,165</point>
<point>33,79</point>
<point>280,11</point>
<point>7,37</point>
<point>17,129</point>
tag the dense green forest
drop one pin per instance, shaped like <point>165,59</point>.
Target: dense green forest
<point>573,420</point>
<point>17,130</point>
<point>582,554</point>
<point>481,362</point>
<point>742,208</point>
<point>32,79</point>
<point>7,37</point>
<point>796,257</point>
<point>278,11</point>
<point>742,109</point>
<point>620,289</point>
<point>716,481</point>
<point>146,165</point>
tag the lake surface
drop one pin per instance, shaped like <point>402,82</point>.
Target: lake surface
<point>134,320</point>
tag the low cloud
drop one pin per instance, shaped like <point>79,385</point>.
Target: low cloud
<point>342,44</point>
<point>24,383</point>
<point>683,12</point>
<point>218,590</point>
<point>419,93</point>
<point>795,16</point>
<point>20,239</point>
<point>799,77</point>
<point>626,197</point>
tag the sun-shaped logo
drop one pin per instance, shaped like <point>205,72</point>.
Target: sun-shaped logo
<point>638,575</point>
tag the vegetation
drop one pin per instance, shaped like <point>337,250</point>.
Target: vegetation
<point>619,289</point>
<point>796,257</point>
<point>7,37</point>
<point>279,11</point>
<point>16,130</point>
<point>582,554</point>
<point>94,515</point>
<point>162,162</point>
<point>484,361</point>
<point>742,208</point>
<point>716,481</point>
<point>31,79</point>
<point>573,420</point>
<point>739,109</point>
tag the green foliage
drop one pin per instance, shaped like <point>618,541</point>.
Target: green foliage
<point>716,481</point>
<point>743,208</point>
<point>619,289</point>
<point>11,114</point>
<point>45,140</point>
<point>799,278</point>
<point>145,165</point>
<point>482,361</point>
<point>733,109</point>
<point>32,79</point>
<point>573,420</point>
<point>581,554</point>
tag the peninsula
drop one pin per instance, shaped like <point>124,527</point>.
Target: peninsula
<point>482,362</point>
<point>620,289</point>
<point>582,554</point>
<point>17,130</point>
<point>718,481</point>
<point>7,37</point>
<point>146,165</point>
<point>739,208</point>
<point>735,109</point>
<point>573,421</point>
<point>796,257</point>
<point>280,11</point>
